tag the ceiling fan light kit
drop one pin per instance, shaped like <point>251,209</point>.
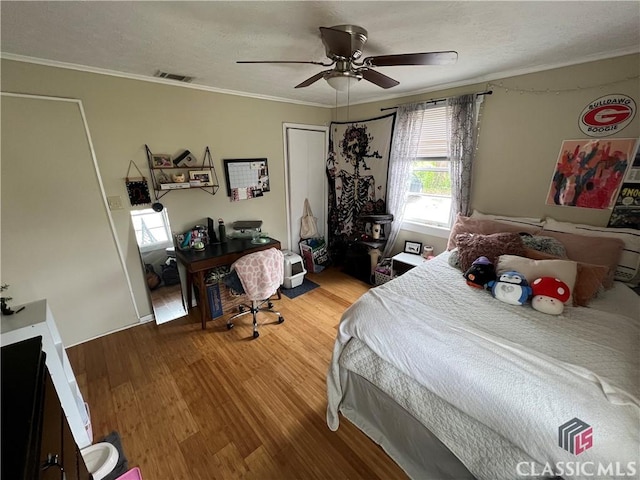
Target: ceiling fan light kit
<point>343,45</point>
<point>342,81</point>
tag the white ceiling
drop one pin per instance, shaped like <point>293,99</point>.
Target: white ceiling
<point>204,39</point>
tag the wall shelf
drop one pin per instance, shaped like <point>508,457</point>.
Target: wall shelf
<point>161,187</point>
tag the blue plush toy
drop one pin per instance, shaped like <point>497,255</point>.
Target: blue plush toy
<point>511,287</point>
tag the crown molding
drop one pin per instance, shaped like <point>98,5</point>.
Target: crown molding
<point>145,78</point>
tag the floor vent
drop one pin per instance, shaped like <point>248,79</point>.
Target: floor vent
<point>173,76</point>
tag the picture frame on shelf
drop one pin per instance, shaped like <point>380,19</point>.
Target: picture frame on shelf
<point>202,176</point>
<point>414,248</point>
<point>161,160</point>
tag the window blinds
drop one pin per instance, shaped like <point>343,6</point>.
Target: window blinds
<point>433,135</point>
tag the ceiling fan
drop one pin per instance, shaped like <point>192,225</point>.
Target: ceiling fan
<point>344,44</point>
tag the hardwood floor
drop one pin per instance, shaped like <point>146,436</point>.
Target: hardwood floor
<point>215,404</point>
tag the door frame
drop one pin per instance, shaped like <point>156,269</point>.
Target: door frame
<point>316,128</point>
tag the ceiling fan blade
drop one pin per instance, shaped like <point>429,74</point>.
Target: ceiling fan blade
<point>429,58</point>
<point>285,61</point>
<point>313,79</point>
<point>337,42</point>
<point>379,79</point>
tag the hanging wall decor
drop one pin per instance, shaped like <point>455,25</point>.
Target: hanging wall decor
<point>607,115</point>
<point>626,211</point>
<point>246,178</point>
<point>357,170</point>
<point>589,172</point>
<point>137,188</point>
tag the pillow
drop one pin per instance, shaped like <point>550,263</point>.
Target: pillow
<point>478,225</point>
<point>593,250</point>
<point>472,246</point>
<point>565,270</point>
<point>628,266</point>
<point>548,245</point>
<point>523,221</point>
<point>588,280</point>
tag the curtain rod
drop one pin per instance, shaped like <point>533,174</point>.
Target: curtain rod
<point>488,92</point>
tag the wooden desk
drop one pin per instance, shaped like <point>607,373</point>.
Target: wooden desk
<point>215,255</point>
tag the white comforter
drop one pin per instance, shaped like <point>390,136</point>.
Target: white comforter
<point>520,372</point>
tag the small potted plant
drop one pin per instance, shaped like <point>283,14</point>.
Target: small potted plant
<point>6,310</point>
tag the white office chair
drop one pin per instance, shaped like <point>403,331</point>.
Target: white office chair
<point>261,274</point>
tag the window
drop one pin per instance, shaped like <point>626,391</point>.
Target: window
<point>429,196</point>
<point>152,229</point>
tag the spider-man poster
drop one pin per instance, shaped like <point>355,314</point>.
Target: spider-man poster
<point>357,170</point>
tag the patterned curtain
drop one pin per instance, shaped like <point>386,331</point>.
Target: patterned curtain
<point>461,125</point>
<point>404,151</point>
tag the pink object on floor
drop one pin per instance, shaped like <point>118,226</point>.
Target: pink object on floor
<point>133,474</point>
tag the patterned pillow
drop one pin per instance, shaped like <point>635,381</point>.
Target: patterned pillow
<point>480,225</point>
<point>472,246</point>
<point>548,245</point>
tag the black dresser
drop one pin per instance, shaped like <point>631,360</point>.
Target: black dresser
<point>37,443</point>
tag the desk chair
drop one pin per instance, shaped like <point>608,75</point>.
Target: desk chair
<point>261,274</point>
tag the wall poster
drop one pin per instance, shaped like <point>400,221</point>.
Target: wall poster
<point>357,169</point>
<point>589,172</point>
<point>626,211</point>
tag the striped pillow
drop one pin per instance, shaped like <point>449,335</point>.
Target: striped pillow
<point>628,268</point>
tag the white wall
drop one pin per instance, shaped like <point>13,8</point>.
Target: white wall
<point>57,242</point>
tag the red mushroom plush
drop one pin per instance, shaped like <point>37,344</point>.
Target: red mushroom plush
<point>549,295</point>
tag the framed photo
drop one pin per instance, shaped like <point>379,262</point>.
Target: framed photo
<point>160,160</point>
<point>202,176</point>
<point>412,247</point>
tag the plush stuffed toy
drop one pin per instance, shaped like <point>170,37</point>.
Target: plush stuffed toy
<point>480,273</point>
<point>511,287</point>
<point>549,295</point>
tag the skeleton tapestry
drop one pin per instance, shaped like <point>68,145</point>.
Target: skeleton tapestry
<point>357,170</point>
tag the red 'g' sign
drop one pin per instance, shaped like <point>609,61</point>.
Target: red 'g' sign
<point>607,115</point>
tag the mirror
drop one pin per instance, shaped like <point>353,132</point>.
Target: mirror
<point>155,244</point>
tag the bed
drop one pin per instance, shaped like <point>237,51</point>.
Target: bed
<point>453,383</point>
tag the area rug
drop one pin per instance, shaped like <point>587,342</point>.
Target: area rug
<point>306,286</point>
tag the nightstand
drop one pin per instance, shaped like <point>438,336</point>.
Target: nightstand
<point>403,262</point>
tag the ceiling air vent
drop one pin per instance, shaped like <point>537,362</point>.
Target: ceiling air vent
<point>173,76</point>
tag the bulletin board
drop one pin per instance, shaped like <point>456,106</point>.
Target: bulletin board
<point>246,178</point>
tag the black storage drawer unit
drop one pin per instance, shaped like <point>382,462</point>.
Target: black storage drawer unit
<point>37,443</point>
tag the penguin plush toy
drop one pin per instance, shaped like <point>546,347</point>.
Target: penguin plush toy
<point>480,273</point>
<point>511,287</point>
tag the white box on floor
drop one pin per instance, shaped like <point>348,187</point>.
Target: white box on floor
<point>293,270</point>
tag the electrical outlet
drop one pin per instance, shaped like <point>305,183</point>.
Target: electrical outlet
<point>115,203</point>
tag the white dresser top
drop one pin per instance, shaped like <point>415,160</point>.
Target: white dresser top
<point>33,313</point>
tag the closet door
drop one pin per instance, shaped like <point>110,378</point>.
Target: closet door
<point>306,153</point>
